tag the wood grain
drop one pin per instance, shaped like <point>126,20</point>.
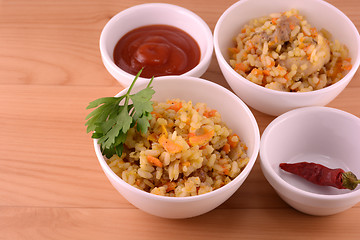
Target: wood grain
<point>93,223</point>
<point>51,184</point>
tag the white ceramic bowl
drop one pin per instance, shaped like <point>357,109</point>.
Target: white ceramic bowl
<point>152,14</point>
<point>319,14</point>
<point>322,135</point>
<point>234,113</point>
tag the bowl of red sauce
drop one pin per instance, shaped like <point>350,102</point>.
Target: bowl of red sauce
<point>162,39</point>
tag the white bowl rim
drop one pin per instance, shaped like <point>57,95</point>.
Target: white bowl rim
<point>245,172</point>
<point>113,20</point>
<point>342,81</point>
<point>274,176</point>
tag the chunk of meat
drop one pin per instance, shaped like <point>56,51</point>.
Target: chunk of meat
<point>308,65</point>
<point>283,29</point>
<point>281,34</point>
<point>199,173</point>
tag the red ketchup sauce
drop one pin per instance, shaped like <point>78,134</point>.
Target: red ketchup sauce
<point>159,49</point>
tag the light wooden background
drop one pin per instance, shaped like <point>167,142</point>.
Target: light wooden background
<point>51,185</point>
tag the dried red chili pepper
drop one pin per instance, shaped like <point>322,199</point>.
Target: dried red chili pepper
<point>321,175</point>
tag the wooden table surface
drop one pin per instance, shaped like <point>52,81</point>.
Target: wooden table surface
<point>51,184</point>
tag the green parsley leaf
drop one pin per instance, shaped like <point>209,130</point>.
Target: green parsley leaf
<point>111,121</point>
<point>143,123</point>
<point>141,100</point>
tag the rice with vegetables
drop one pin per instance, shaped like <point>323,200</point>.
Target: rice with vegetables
<point>186,151</point>
<point>284,52</point>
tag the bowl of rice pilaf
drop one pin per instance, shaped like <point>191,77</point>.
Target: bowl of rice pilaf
<point>200,146</point>
<point>285,55</point>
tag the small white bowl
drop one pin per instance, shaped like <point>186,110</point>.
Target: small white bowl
<point>322,135</point>
<point>270,101</point>
<point>234,113</point>
<point>152,14</point>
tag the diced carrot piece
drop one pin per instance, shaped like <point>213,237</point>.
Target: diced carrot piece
<point>191,134</point>
<point>313,32</point>
<point>273,20</point>
<point>347,67</point>
<point>154,161</point>
<point>210,113</point>
<point>169,145</point>
<point>226,171</point>
<point>233,143</point>
<point>176,106</point>
<point>286,77</point>
<point>336,70</point>
<point>226,148</point>
<point>292,26</point>
<point>266,72</point>
<point>243,145</point>
<point>201,139</point>
<point>203,147</point>
<point>240,66</point>
<point>170,186</point>
<point>346,64</point>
